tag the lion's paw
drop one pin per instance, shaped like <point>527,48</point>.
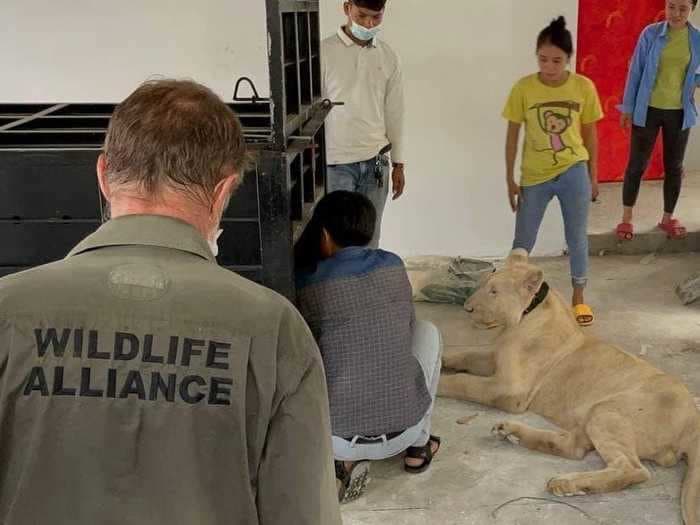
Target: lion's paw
<point>563,487</point>
<point>506,431</point>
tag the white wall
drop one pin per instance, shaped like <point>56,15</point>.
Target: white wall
<point>99,51</point>
<point>460,60</point>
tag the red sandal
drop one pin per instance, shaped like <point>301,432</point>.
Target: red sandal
<point>674,229</point>
<point>625,231</point>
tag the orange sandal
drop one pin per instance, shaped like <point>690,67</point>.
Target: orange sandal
<point>584,315</point>
<point>674,229</point>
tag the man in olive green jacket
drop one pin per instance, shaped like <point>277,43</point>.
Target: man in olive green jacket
<point>140,383</point>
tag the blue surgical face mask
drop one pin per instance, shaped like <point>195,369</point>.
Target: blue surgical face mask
<point>364,34</point>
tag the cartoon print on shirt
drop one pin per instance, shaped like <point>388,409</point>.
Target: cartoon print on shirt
<point>555,124</point>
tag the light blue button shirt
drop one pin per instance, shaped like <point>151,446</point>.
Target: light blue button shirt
<point>644,67</point>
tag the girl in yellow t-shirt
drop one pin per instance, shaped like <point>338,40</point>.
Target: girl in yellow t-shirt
<point>559,110</point>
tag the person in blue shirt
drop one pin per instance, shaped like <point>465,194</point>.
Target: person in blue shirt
<point>660,95</point>
<point>382,365</point>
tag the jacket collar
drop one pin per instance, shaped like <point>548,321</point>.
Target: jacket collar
<point>666,27</point>
<point>147,230</point>
<point>351,252</point>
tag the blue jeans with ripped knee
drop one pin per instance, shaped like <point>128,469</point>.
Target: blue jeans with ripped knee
<point>573,189</point>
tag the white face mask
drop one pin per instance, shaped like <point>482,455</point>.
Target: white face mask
<point>362,33</point>
<point>214,243</point>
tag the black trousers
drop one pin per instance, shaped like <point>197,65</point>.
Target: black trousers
<point>675,140</point>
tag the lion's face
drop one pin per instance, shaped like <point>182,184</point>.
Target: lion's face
<point>504,295</point>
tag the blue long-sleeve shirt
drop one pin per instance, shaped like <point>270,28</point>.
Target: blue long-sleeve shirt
<point>644,68</point>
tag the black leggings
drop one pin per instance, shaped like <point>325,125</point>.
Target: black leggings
<point>643,139</point>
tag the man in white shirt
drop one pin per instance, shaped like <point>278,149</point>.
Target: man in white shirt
<point>365,74</point>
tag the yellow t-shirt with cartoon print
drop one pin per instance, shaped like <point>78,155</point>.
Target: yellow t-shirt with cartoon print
<point>553,117</point>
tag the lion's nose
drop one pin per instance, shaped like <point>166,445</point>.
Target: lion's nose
<point>469,309</point>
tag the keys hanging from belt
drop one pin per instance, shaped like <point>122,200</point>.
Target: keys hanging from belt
<point>379,164</point>
<point>379,172</point>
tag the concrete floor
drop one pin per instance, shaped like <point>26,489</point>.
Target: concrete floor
<point>606,213</point>
<point>475,473</point>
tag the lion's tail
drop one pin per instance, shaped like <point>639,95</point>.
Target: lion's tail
<point>690,493</point>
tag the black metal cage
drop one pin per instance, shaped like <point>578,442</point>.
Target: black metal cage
<point>49,198</point>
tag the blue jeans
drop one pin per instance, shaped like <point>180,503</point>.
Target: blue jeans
<point>573,189</point>
<point>359,177</point>
<point>427,347</point>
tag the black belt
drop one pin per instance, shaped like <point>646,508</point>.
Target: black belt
<point>371,440</point>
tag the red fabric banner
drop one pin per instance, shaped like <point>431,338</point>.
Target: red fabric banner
<point>607,35</point>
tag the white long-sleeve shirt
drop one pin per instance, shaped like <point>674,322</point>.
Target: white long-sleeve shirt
<point>368,80</point>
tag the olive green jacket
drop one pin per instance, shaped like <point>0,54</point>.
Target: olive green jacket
<point>140,383</point>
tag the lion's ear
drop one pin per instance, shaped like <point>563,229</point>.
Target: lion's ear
<point>533,280</point>
<point>517,256</point>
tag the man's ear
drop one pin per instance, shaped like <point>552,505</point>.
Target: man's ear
<point>533,281</point>
<point>223,191</point>
<point>102,177</point>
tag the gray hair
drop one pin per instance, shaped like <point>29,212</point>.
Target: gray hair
<point>175,134</point>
